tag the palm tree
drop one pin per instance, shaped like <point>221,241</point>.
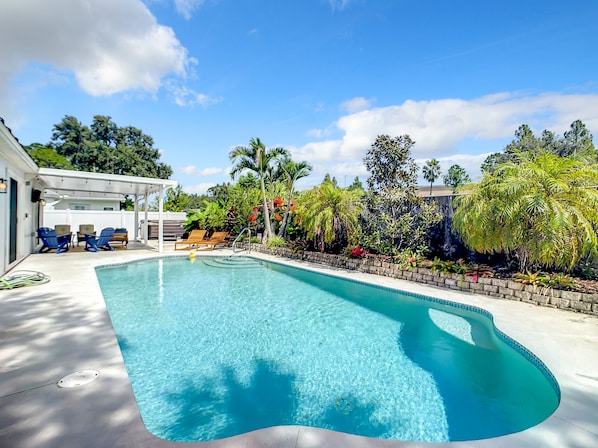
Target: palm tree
<point>256,159</point>
<point>328,212</point>
<point>292,172</point>
<point>431,172</point>
<point>540,206</point>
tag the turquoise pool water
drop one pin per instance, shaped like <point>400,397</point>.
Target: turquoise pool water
<point>219,347</point>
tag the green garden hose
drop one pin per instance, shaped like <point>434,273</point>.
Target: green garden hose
<point>23,278</point>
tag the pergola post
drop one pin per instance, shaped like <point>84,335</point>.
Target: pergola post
<point>160,219</point>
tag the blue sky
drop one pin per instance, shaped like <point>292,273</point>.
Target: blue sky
<point>321,78</point>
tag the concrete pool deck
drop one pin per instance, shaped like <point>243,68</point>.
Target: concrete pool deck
<point>51,330</point>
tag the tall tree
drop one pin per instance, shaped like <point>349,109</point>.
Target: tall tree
<point>106,148</point>
<point>71,139</point>
<point>455,178</point>
<point>257,159</point>
<point>292,171</point>
<point>431,172</point>
<point>176,200</point>
<point>396,217</point>
<point>356,185</point>
<point>541,207</point>
<point>47,157</point>
<point>577,143</point>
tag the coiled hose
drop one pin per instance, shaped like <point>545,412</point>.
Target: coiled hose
<point>19,279</point>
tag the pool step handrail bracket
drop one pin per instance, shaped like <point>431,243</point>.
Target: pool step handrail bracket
<point>239,236</point>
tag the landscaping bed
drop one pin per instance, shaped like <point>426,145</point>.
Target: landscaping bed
<point>582,298</point>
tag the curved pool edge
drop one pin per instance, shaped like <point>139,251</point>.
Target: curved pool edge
<point>564,341</point>
<point>326,437</point>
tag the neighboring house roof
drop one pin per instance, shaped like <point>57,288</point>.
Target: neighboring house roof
<point>437,190</point>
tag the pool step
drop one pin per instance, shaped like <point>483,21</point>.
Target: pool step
<point>232,262</point>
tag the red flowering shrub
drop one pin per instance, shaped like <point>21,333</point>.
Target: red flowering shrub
<point>358,252</point>
<point>277,217</point>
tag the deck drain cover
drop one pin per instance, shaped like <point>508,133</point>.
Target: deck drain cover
<point>80,378</point>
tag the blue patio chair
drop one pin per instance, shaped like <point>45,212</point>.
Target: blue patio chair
<point>93,243</point>
<point>52,241</point>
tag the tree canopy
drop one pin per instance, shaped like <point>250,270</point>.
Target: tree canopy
<point>456,177</point>
<point>576,142</point>
<point>102,147</point>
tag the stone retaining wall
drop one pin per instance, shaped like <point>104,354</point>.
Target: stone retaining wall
<point>499,288</point>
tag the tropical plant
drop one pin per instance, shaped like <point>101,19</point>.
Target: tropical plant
<point>213,216</point>
<point>291,172</point>
<point>244,197</point>
<point>539,278</point>
<point>448,266</point>
<point>408,259</point>
<point>330,214</point>
<point>275,241</point>
<point>257,159</point>
<point>431,172</point>
<point>541,207</point>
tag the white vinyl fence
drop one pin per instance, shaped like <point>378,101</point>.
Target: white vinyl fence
<point>101,219</point>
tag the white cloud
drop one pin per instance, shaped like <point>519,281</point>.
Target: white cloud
<point>315,152</point>
<point>442,128</point>
<point>201,188</point>
<point>185,96</point>
<point>110,46</point>
<point>194,171</point>
<point>338,5</point>
<point>357,104</point>
<point>186,7</point>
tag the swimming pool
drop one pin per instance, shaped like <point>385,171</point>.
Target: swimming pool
<point>223,346</point>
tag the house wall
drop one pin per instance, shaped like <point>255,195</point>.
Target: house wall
<point>85,204</point>
<point>17,165</point>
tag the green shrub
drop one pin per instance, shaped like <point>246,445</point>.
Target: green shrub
<point>276,241</point>
<point>408,259</point>
<point>457,267</point>
<point>558,280</point>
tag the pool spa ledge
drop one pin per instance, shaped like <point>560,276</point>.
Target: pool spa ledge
<point>61,327</point>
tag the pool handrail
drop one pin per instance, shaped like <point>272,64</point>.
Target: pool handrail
<point>239,236</point>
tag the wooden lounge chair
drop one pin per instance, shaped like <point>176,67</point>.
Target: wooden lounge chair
<point>120,236</point>
<point>194,238</point>
<point>216,239</point>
